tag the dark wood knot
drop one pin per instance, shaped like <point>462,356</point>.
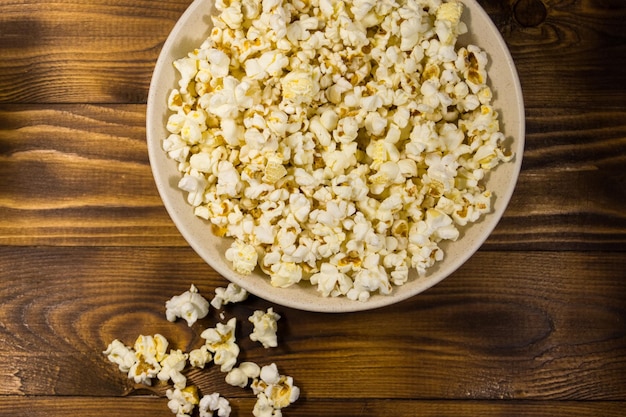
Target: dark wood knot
<point>530,13</point>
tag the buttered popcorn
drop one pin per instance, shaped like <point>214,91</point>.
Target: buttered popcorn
<point>336,142</point>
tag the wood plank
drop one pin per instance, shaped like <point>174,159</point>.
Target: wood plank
<point>154,406</point>
<point>558,59</point>
<point>70,51</point>
<point>77,171</point>
<point>573,56</point>
<point>79,174</point>
<point>510,325</point>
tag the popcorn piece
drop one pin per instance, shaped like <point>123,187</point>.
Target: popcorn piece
<point>236,378</point>
<point>240,376</point>
<point>198,358</point>
<point>214,402</point>
<point>195,186</point>
<point>190,306</point>
<point>265,327</point>
<point>274,169</point>
<point>263,407</point>
<point>244,257</point>
<point>273,390</point>
<point>144,369</point>
<point>182,401</point>
<point>285,274</point>
<point>299,86</point>
<point>121,355</point>
<point>150,351</point>
<point>231,294</point>
<point>187,67</point>
<point>171,368</point>
<point>330,281</point>
<point>448,20</point>
<point>221,342</point>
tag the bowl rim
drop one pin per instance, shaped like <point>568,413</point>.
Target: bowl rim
<point>318,303</point>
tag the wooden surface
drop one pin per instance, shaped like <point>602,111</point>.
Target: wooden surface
<point>534,324</point>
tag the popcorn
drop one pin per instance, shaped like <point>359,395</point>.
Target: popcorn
<point>337,143</point>
<point>171,368</point>
<point>214,402</point>
<point>244,257</point>
<point>190,306</point>
<point>240,376</point>
<point>265,327</point>
<point>299,86</point>
<point>149,351</point>
<point>198,358</point>
<point>148,358</point>
<point>274,391</point>
<point>221,342</point>
<point>330,281</point>
<point>274,169</point>
<point>231,294</point>
<point>285,274</point>
<point>195,186</point>
<point>121,355</point>
<point>182,401</point>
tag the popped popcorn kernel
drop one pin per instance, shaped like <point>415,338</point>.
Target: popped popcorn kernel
<point>172,366</point>
<point>233,293</point>
<point>241,375</point>
<point>320,136</point>
<point>244,257</point>
<point>221,341</point>
<point>214,403</point>
<point>265,327</point>
<point>148,358</point>
<point>198,358</point>
<point>273,390</point>
<point>190,306</point>
<point>182,401</point>
<point>121,355</point>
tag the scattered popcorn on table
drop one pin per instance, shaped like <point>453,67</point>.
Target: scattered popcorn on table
<point>214,402</point>
<point>148,359</point>
<point>265,327</point>
<point>321,135</point>
<point>190,306</point>
<point>233,293</point>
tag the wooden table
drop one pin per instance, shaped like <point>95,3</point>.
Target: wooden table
<point>534,324</point>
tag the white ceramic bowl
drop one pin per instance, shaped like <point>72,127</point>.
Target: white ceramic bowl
<point>193,28</point>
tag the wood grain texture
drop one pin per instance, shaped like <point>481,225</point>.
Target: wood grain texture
<point>506,325</point>
<point>573,58</point>
<point>533,325</point>
<point>133,406</point>
<point>72,51</point>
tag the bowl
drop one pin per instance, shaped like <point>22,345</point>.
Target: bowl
<point>192,29</point>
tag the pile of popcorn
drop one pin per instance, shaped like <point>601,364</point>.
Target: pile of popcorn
<point>148,358</point>
<point>336,142</point>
